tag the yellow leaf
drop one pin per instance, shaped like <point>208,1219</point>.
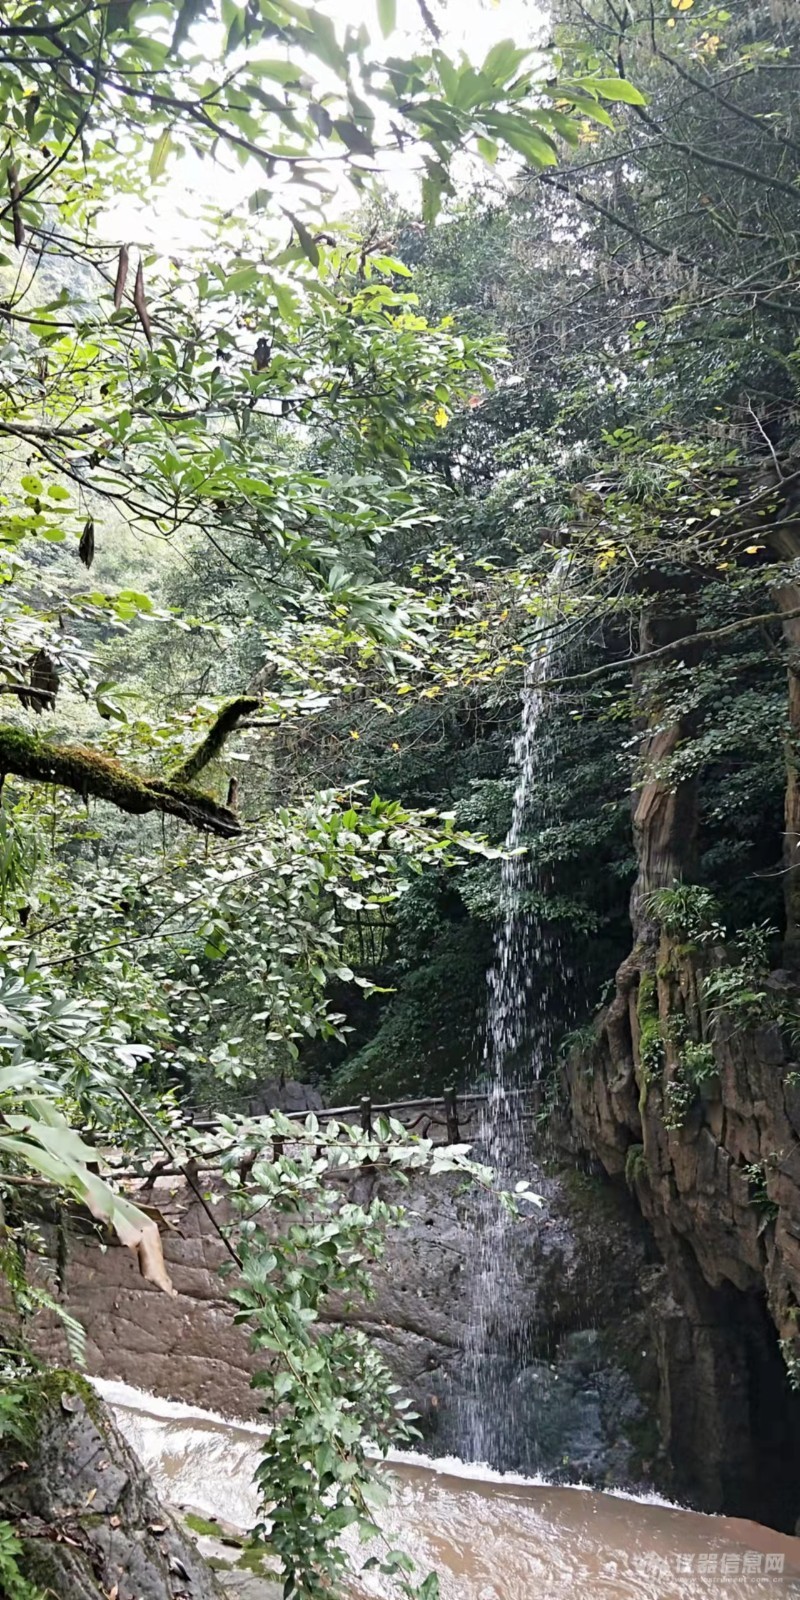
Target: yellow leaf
<point>682,5</point>
<point>354,733</point>
<point>405,688</point>
<point>753,549</point>
<point>441,416</point>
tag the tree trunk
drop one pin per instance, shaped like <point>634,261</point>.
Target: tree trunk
<point>664,816</point>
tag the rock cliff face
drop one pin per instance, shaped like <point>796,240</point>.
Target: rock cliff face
<point>721,1193</point>
<point>576,1310</point>
<point>712,1156</point>
<point>88,1520</point>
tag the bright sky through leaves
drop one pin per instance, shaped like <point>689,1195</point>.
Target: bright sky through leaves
<point>171,220</point>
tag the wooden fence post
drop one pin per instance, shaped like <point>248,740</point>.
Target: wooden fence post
<point>451,1115</point>
<point>366,1114</point>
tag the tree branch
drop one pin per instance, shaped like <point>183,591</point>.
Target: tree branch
<point>708,634</point>
<point>88,772</point>
<point>211,745</point>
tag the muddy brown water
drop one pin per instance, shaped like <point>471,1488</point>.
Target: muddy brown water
<point>490,1537</point>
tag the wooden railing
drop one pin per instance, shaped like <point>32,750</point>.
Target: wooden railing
<point>449,1110</point>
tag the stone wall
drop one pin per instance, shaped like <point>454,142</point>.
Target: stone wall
<point>576,1310</point>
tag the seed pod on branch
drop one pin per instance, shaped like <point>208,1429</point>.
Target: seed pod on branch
<point>44,682</point>
<point>86,545</point>
<point>140,303</point>
<point>262,355</point>
<point>16,197</point>
<point>122,277</point>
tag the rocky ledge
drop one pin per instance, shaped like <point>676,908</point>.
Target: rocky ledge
<point>715,1168</point>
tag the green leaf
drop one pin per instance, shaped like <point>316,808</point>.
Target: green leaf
<point>387,16</point>
<point>358,143</point>
<point>160,153</point>
<point>523,135</point>
<point>433,184</point>
<point>448,74</point>
<point>243,279</point>
<point>503,61</point>
<point>307,244</point>
<point>616,89</point>
<point>322,42</point>
<point>285,72</point>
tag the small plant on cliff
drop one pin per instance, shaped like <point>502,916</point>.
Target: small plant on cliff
<point>29,1298</point>
<point>651,1038</point>
<point>695,1066</point>
<point>756,1175</point>
<point>791,1360</point>
<point>687,911</point>
<point>739,990</point>
<point>580,1039</point>
<point>13,1583</point>
<point>635,1165</point>
<point>15,1419</point>
<point>551,1101</point>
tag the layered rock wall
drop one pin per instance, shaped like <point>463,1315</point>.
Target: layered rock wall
<point>721,1193</point>
<point>561,1337</point>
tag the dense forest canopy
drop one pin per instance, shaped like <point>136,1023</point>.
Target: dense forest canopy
<point>278,517</point>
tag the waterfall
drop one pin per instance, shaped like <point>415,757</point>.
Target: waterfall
<point>524,986</point>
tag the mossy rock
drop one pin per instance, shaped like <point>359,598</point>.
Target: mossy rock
<point>84,1510</point>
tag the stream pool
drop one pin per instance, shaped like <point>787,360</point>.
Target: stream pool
<point>490,1536</point>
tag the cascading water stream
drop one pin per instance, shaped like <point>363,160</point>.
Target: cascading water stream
<point>526,985</point>
<point>489,1538</point>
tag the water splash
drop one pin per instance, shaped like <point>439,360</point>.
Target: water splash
<point>526,985</point>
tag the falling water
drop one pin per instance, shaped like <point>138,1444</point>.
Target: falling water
<point>526,984</point>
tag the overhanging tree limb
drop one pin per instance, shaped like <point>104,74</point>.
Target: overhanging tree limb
<point>211,745</point>
<point>87,772</point>
<point>704,636</point>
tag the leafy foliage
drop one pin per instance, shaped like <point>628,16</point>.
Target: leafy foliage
<point>306,1240</point>
<point>357,450</point>
<point>259,406</point>
<point>14,1583</point>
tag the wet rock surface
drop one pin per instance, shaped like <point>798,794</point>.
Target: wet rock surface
<point>566,1334</point>
<point>223,1548</point>
<point>88,1517</point>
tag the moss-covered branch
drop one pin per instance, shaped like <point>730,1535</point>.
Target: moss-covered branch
<point>89,773</point>
<point>215,738</point>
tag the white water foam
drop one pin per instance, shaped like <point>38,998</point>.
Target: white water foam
<point>124,1397</point>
